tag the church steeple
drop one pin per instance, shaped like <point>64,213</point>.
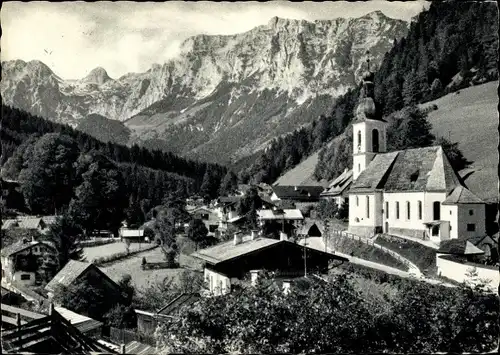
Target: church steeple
<point>369,129</point>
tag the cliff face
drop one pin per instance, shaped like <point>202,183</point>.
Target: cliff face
<point>224,96</point>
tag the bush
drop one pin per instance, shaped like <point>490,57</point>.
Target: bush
<point>95,243</point>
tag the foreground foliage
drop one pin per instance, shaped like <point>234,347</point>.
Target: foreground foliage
<point>335,318</point>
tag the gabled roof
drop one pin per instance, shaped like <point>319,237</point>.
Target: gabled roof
<point>81,322</point>
<point>227,251</point>
<point>20,246</point>
<point>371,178</point>
<point>419,169</point>
<point>461,195</point>
<point>228,200</point>
<point>302,193</point>
<point>278,214</point>
<point>459,247</point>
<point>68,274</point>
<point>183,300</point>
<point>339,185</point>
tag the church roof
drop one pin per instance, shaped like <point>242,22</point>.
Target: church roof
<point>419,169</point>
<point>461,195</point>
<point>339,185</point>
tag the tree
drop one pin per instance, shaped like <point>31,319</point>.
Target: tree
<point>453,153</point>
<point>249,205</point>
<point>65,234</point>
<point>17,161</point>
<point>121,317</point>
<point>343,211</point>
<point>197,232</point>
<point>409,128</point>
<point>48,178</point>
<point>228,184</point>
<point>86,297</point>
<point>100,199</point>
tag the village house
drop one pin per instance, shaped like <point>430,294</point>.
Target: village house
<point>229,264</point>
<point>303,197</point>
<point>407,193</point>
<point>210,217</point>
<point>148,321</point>
<point>21,261</point>
<point>338,189</point>
<point>29,223</point>
<point>75,271</point>
<point>132,235</point>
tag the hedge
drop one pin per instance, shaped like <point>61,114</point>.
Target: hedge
<point>119,256</point>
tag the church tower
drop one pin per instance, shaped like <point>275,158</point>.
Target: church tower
<point>368,128</point>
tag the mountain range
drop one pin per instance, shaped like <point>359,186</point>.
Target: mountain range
<point>224,97</point>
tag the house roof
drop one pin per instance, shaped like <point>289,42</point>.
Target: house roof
<point>81,322</point>
<point>278,214</point>
<point>228,200</point>
<point>461,195</point>
<point>68,274</point>
<point>303,193</point>
<point>20,246</point>
<point>476,240</point>
<point>227,251</point>
<point>459,247</point>
<point>183,300</point>
<point>339,184</point>
<point>419,169</point>
<point>28,222</point>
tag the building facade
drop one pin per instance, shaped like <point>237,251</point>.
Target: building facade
<point>409,193</point>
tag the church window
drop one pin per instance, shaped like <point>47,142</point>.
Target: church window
<point>408,214</point>
<point>397,210</point>
<point>436,207</point>
<point>359,168</point>
<point>471,227</point>
<point>357,201</point>
<point>367,207</point>
<point>419,209</point>
<point>375,141</point>
<point>359,141</point>
<point>386,209</point>
<point>471,212</point>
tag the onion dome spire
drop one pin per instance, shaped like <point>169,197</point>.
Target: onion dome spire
<point>366,108</point>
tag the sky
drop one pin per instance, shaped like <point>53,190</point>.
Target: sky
<point>73,38</point>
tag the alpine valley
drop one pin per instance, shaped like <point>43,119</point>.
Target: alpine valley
<point>224,97</point>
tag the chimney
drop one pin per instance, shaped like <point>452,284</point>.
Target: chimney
<point>237,238</point>
<point>254,275</point>
<point>255,234</point>
<point>283,236</point>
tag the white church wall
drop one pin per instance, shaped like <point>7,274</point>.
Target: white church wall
<point>473,214</point>
<point>429,199</point>
<point>361,214</point>
<point>450,213</point>
<point>404,226</point>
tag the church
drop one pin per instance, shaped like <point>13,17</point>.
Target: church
<point>408,193</point>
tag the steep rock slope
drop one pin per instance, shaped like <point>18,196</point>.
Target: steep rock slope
<point>224,96</point>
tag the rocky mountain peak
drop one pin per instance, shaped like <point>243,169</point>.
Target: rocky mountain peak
<point>97,76</point>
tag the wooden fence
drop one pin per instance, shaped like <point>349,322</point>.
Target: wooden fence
<point>123,336</point>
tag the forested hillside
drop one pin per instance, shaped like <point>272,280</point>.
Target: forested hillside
<point>53,161</point>
<point>450,46</point>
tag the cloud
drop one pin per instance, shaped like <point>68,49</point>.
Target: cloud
<point>130,36</point>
